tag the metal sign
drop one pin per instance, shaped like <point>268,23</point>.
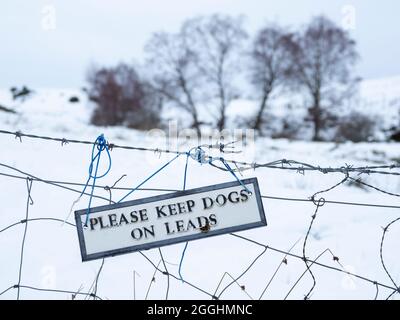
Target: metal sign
<point>168,219</point>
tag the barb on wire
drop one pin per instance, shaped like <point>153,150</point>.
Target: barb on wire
<point>242,287</point>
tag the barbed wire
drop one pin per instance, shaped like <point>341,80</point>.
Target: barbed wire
<point>318,203</point>
<point>297,166</point>
<point>335,258</point>
<point>62,184</point>
<point>282,164</point>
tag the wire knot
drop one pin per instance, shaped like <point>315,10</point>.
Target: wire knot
<point>64,142</point>
<point>199,155</point>
<point>101,143</point>
<point>319,203</point>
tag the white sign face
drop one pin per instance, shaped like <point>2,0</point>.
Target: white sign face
<point>171,218</point>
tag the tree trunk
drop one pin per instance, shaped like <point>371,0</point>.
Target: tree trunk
<point>222,116</point>
<point>221,120</point>
<point>258,120</point>
<point>196,123</point>
<point>259,117</point>
<point>316,116</point>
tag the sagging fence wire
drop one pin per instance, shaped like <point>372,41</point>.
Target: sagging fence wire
<point>299,167</point>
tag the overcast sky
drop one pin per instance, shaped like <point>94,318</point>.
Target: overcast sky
<point>51,43</point>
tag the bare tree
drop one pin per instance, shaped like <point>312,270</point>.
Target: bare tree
<point>269,65</point>
<point>216,41</point>
<point>175,76</point>
<point>323,58</point>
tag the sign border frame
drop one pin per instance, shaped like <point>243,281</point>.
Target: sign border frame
<point>162,243</point>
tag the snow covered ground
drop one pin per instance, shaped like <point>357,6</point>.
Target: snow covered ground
<point>52,257</point>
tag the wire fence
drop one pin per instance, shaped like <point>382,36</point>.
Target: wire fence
<point>350,174</point>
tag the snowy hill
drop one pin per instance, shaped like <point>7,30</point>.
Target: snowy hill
<point>52,257</point>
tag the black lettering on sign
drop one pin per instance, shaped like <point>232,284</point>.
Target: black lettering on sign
<point>101,223</point>
<point>174,209</point>
<point>213,219</point>
<point>234,197</point>
<point>123,220</point>
<point>160,212</point>
<point>221,200</point>
<point>139,233</point>
<point>190,224</point>
<point>93,222</point>
<point>207,203</point>
<point>179,226</point>
<point>168,219</point>
<point>245,195</point>
<point>134,217</point>
<point>113,219</point>
<point>143,215</point>
<point>169,231</point>
<point>190,205</point>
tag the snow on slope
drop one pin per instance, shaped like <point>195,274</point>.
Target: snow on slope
<point>52,257</point>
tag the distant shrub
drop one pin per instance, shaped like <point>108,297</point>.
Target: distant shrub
<point>122,98</point>
<point>395,136</point>
<point>74,99</point>
<point>289,130</point>
<point>21,94</point>
<point>355,127</point>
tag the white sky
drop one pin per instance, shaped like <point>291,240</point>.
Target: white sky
<point>107,32</point>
